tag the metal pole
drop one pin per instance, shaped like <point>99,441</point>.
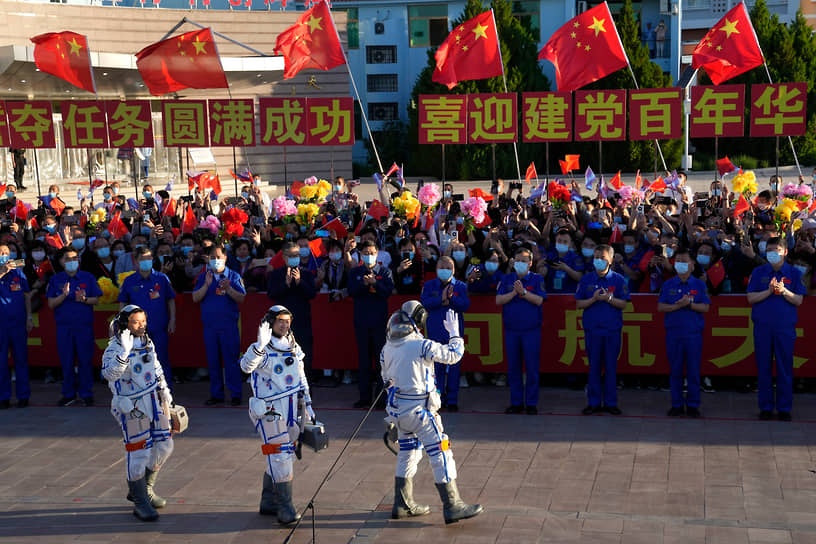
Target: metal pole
<point>504,81</point>
<point>657,143</point>
<point>600,158</point>
<point>37,171</point>
<point>547,158</point>
<point>90,168</point>
<point>235,170</point>
<point>493,154</point>
<point>181,169</point>
<point>105,164</point>
<point>655,163</point>
<point>285,173</point>
<point>331,163</point>
<point>443,163</point>
<point>716,156</point>
<point>776,153</point>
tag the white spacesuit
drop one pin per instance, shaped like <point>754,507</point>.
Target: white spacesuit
<point>408,364</point>
<point>140,404</point>
<point>279,385</point>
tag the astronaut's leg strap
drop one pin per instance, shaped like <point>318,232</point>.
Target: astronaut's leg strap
<point>270,449</point>
<point>407,444</point>
<point>136,446</point>
<point>444,445</point>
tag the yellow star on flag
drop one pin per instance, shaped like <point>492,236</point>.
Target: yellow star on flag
<point>597,25</point>
<point>75,47</point>
<point>480,31</point>
<point>730,27</point>
<point>464,48</point>
<point>314,23</point>
<point>572,34</point>
<point>199,46</point>
<point>578,45</point>
<point>587,47</point>
<point>576,24</point>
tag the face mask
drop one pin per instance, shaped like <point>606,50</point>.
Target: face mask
<point>186,250</point>
<point>115,190</point>
<point>12,255</point>
<point>338,188</point>
<point>78,243</point>
<point>240,259</point>
<point>335,256</point>
<point>561,248</point>
<point>40,238</point>
<point>587,252</point>
<point>144,266</point>
<point>369,260</point>
<point>118,252</point>
<point>704,260</point>
<point>107,196</point>
<point>725,246</point>
<point>444,274</point>
<point>491,267</point>
<point>9,194</point>
<point>520,267</point>
<point>460,220</point>
<point>599,264</point>
<point>147,194</point>
<point>4,259</point>
<point>72,266</point>
<point>51,228</point>
<point>446,194</point>
<point>459,256</point>
<point>103,252</point>
<point>628,248</point>
<point>408,255</point>
<point>618,219</point>
<point>682,268</point>
<point>38,255</point>
<point>292,262</point>
<point>762,245</point>
<point>106,233</point>
<point>217,265</point>
<point>774,257</point>
<point>801,268</point>
<point>244,194</point>
<point>715,192</point>
<point>52,195</point>
<point>304,251</point>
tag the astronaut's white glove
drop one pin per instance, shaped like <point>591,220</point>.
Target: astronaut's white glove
<point>310,413</point>
<point>451,324</point>
<point>126,340</point>
<point>264,336</point>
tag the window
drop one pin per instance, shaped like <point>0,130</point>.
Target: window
<point>381,54</point>
<point>427,25</point>
<point>383,111</point>
<point>358,121</point>
<point>352,27</point>
<point>382,83</point>
<point>526,11</point>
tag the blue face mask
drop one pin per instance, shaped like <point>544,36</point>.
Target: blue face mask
<point>40,238</point>
<point>774,257</point>
<point>335,256</point>
<point>338,188</point>
<point>186,250</point>
<point>50,228</point>
<point>147,194</point>
<point>304,251</point>
<point>715,192</point>
<point>118,252</point>
<point>600,264</point>
<point>52,195</point>
<point>137,246</point>
<point>801,268</point>
<point>704,260</point>
<point>629,248</point>
<point>217,265</point>
<point>244,194</point>
<point>107,196</point>
<point>725,246</point>
<point>78,243</point>
<point>460,220</point>
<point>106,233</point>
<point>103,252</point>
<point>293,262</point>
<point>618,219</point>
<point>369,260</point>
<point>302,229</point>
<point>761,246</point>
<point>587,252</point>
<point>520,267</point>
<point>444,274</point>
<point>446,194</point>
<point>459,256</point>
<point>410,255</point>
<point>72,266</point>
<point>144,266</point>
<point>669,252</point>
<point>681,268</point>
<point>243,259</point>
<point>9,194</point>
<point>491,267</point>
<point>4,259</point>
<point>12,254</point>
<point>562,248</point>
<point>115,190</point>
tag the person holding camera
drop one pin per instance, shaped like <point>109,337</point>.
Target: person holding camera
<point>409,269</point>
<point>564,266</point>
<point>16,322</point>
<point>141,405</point>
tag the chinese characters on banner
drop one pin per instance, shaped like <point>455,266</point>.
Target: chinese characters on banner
<point>655,114</point>
<point>307,121</point>
<point>778,110</point>
<point>4,129</point>
<point>547,117</point>
<point>185,123</point>
<point>492,118</point>
<point>83,124</point>
<point>283,121</point>
<point>31,124</point>
<point>600,115</point>
<point>129,123</point>
<point>232,122</point>
<point>717,111</point>
<point>442,119</point>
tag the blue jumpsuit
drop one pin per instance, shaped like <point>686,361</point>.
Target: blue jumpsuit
<point>370,320</point>
<point>522,337</point>
<point>447,375</point>
<point>774,334</point>
<point>13,334</point>
<point>151,295</point>
<point>219,314</point>
<point>559,281</point>
<point>75,336</point>
<point>602,324</point>
<point>487,283</point>
<point>684,338</point>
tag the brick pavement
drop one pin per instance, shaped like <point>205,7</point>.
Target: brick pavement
<point>556,477</point>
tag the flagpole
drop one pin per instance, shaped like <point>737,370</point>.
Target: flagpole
<point>357,94</point>
<point>504,81</point>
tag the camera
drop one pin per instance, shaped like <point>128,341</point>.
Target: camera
<point>186,198</point>
<point>234,200</point>
<point>515,185</point>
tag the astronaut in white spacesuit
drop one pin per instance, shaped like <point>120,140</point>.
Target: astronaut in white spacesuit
<point>279,386</point>
<point>141,402</point>
<point>408,364</point>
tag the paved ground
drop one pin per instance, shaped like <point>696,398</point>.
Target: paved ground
<point>556,477</point>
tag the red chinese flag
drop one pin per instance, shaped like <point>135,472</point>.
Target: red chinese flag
<point>377,210</point>
<point>585,49</point>
<point>573,162</point>
<point>485,196</point>
<point>57,205</point>
<point>21,210</point>
<point>725,166</point>
<point>188,61</point>
<point>210,181</point>
<point>169,208</point>
<point>277,261</point>
<point>471,51</point>
<point>531,173</point>
<point>317,248</point>
<point>337,227</point>
<point>190,222</point>
<point>564,167</point>
<point>658,185</point>
<point>54,241</point>
<point>638,180</point>
<point>116,226</point>
<point>311,42</point>
<point>65,55</point>
<point>617,235</point>
<point>616,182</point>
<point>729,48</point>
<point>716,274</point>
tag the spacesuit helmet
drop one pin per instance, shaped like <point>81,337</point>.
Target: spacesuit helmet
<point>272,314</point>
<point>408,319</point>
<point>119,322</point>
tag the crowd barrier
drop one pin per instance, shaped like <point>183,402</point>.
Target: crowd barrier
<point>728,345</point>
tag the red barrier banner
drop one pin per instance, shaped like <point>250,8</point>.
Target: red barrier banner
<point>728,343</point>
<point>600,115</point>
<point>442,119</point>
<point>778,110</point>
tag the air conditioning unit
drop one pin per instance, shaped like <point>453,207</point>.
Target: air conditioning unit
<point>379,28</point>
<point>381,113</point>
<point>378,57</point>
<point>581,6</point>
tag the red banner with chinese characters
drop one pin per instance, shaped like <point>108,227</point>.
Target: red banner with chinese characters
<point>778,110</point>
<point>547,117</point>
<point>4,129</point>
<point>31,124</point>
<point>232,122</point>
<point>283,121</point>
<point>717,111</point>
<point>600,115</point>
<point>185,123</point>
<point>728,343</point>
<point>129,123</point>
<point>442,119</point>
<point>655,114</point>
<point>84,124</point>
<point>330,121</point>
<point>492,118</point>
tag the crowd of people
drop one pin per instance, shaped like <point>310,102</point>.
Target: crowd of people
<point>599,245</point>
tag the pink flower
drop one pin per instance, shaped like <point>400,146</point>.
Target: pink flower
<point>311,180</point>
<point>283,207</point>
<point>805,191</point>
<point>626,195</point>
<point>429,194</point>
<point>211,223</point>
<point>475,207</point>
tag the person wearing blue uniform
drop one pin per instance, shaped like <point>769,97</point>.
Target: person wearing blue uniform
<point>775,291</point>
<point>521,294</point>
<point>72,295</point>
<point>564,266</point>
<point>293,286</point>
<point>439,295</point>
<point>220,291</point>
<point>152,292</point>
<point>684,300</point>
<point>488,275</point>
<point>15,324</point>
<point>370,285</point>
<point>603,295</point>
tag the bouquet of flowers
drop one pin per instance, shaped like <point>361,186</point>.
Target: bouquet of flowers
<point>285,209</point>
<point>95,220</point>
<point>800,193</point>
<point>429,195</point>
<point>210,223</point>
<point>306,213</point>
<point>627,195</point>
<point>783,212</point>
<point>110,293</point>
<point>745,183</point>
<point>315,190</point>
<point>474,209</point>
<point>406,205</point>
<point>559,195</point>
<point>233,221</point>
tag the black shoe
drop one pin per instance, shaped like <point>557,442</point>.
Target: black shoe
<point>236,401</point>
<point>66,401</point>
<point>613,410</point>
<point>88,401</point>
<point>4,404</point>
<point>364,404</point>
<point>784,416</point>
<point>22,403</point>
<point>532,410</point>
<point>691,411</point>
<point>765,415</point>
<point>453,407</point>
<point>589,410</point>
<point>675,412</point>
<point>212,401</point>
<point>514,409</point>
